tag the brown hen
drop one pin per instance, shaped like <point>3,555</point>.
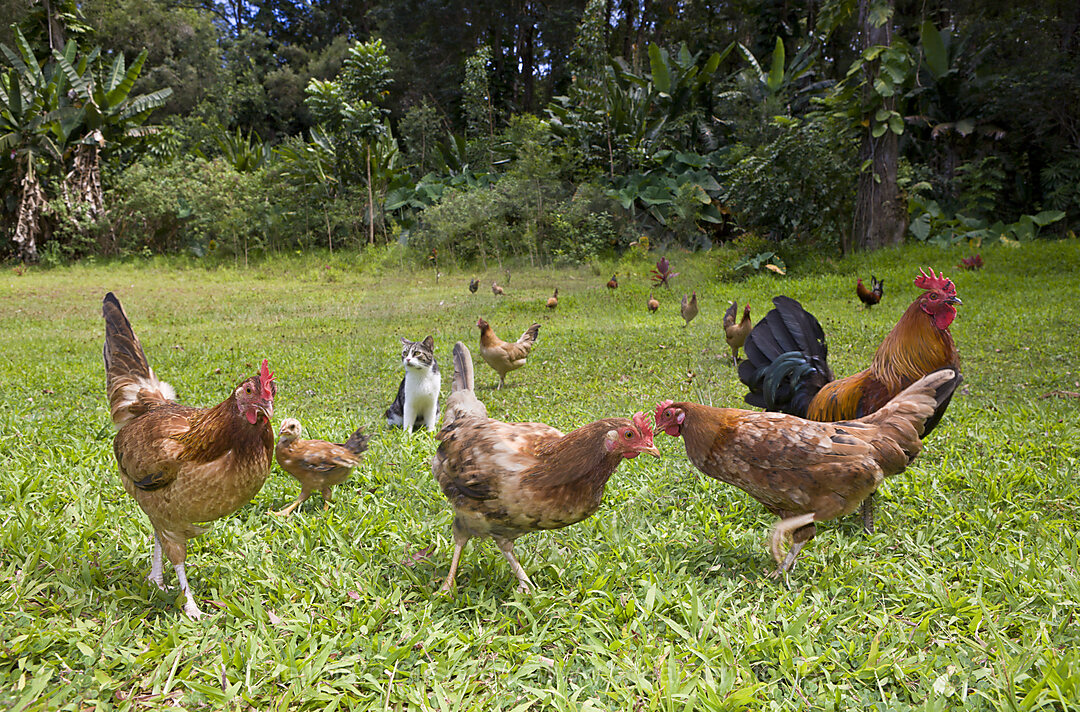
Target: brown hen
<point>503,356</point>
<point>316,464</point>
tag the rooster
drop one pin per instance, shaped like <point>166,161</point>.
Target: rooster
<point>973,263</point>
<point>183,465</point>
<point>496,289</point>
<point>474,284</point>
<point>505,357</point>
<point>652,304</point>
<point>806,471</point>
<point>689,309</point>
<point>613,283</point>
<point>871,296</point>
<point>786,368</point>
<point>508,479</point>
<point>316,464</point>
<point>553,300</point>
<point>735,333</point>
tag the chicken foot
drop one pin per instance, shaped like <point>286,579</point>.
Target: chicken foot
<point>156,574</point>
<point>304,494</point>
<point>459,546</point>
<point>506,546</point>
<point>782,529</point>
<point>190,607</point>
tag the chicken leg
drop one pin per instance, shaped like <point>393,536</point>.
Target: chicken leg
<point>790,525</point>
<point>190,607</point>
<point>304,494</point>
<point>156,575</point>
<point>460,540</point>
<point>506,546</point>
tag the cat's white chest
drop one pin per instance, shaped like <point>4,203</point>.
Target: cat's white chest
<point>421,387</point>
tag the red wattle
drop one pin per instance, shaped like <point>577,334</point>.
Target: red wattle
<point>252,415</point>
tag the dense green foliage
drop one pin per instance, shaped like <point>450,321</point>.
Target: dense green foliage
<point>699,121</point>
<point>966,598</point>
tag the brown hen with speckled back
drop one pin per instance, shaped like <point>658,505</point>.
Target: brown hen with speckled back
<point>183,465</point>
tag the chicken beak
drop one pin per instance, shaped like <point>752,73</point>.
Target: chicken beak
<point>953,300</point>
<point>652,450</point>
<point>266,409</point>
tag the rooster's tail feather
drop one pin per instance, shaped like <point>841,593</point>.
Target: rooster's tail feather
<point>786,359</point>
<point>129,380</point>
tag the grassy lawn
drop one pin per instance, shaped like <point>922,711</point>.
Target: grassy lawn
<point>967,597</point>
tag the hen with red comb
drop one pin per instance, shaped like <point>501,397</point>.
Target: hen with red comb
<point>787,370</point>
<point>508,479</point>
<point>183,465</point>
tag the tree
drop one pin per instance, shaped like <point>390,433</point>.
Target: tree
<point>880,212</point>
<point>349,106</point>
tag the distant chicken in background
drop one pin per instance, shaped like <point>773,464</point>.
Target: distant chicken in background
<point>316,464</point>
<point>786,366</point>
<point>871,296</point>
<point>735,334</point>
<point>508,479</point>
<point>652,304</point>
<point>553,300</point>
<point>183,465</point>
<point>613,283</point>
<point>474,284</point>
<point>496,289</point>
<point>505,357</point>
<point>689,309</point>
<point>973,263</point>
<point>806,471</point>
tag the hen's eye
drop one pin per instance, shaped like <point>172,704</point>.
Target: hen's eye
<point>628,434</point>
<point>933,296</point>
<point>247,389</point>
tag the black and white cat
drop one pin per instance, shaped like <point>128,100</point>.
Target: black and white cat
<point>417,402</point>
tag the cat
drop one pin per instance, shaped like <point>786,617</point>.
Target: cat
<point>417,401</point>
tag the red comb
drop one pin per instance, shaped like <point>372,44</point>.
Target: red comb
<point>266,380</point>
<point>642,424</point>
<point>660,408</point>
<point>934,281</point>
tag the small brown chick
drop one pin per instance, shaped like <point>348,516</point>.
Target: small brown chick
<point>613,283</point>
<point>316,464</point>
<point>689,309</point>
<point>496,289</point>
<point>474,284</point>
<point>652,304</point>
<point>735,334</point>
<point>553,300</point>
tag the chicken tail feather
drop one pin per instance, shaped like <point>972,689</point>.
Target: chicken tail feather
<point>130,382</point>
<point>786,359</point>
<point>529,337</point>
<point>462,400</point>
<point>357,442</point>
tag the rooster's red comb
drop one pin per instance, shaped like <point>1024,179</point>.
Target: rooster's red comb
<point>266,380</point>
<point>934,281</point>
<point>642,424</point>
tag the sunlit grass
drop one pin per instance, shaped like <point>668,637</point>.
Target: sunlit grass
<point>967,597</point>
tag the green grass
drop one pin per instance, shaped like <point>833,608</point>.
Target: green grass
<point>968,595</point>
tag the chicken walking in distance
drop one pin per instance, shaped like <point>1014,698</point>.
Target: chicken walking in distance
<point>870,297</point>
<point>652,304</point>
<point>735,334</point>
<point>316,464</point>
<point>613,283</point>
<point>553,300</point>
<point>806,471</point>
<point>505,357</point>
<point>496,289</point>
<point>183,465</point>
<point>973,263</point>
<point>786,366</point>
<point>689,309</point>
<point>508,479</point>
<point>474,284</point>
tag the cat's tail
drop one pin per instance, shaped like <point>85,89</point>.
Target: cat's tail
<point>462,401</point>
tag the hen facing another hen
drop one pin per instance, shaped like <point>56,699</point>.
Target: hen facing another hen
<point>508,479</point>
<point>806,471</point>
<point>183,465</point>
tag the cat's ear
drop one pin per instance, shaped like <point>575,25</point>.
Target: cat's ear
<point>404,341</point>
<point>429,343</point>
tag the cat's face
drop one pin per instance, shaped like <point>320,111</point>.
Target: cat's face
<point>418,354</point>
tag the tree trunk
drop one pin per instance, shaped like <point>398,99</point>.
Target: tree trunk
<point>880,213</point>
<point>370,201</point>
